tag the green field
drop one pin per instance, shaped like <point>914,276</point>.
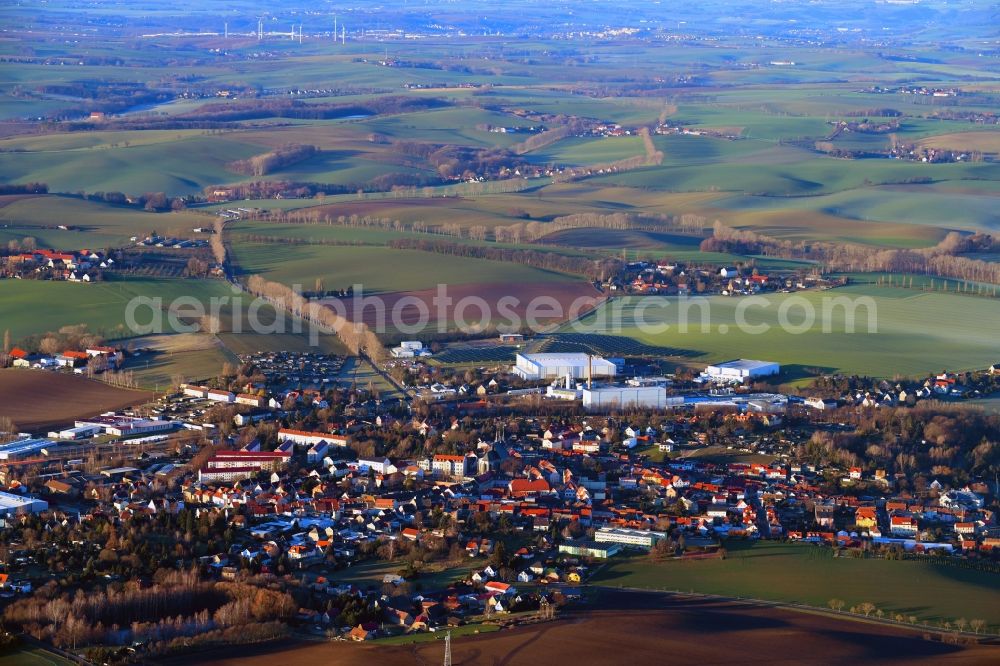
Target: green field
<point>95,224</point>
<point>180,166</point>
<point>378,269</point>
<point>32,656</point>
<point>157,371</point>
<point>807,574</point>
<point>455,632</point>
<point>372,572</point>
<point>917,332</point>
<point>774,176</point>
<point>30,307</point>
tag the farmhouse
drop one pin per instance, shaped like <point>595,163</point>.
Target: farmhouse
<point>550,366</point>
<point>72,359</point>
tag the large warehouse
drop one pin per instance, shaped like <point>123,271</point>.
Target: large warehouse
<point>740,370</point>
<point>11,504</point>
<point>613,397</point>
<point>550,366</point>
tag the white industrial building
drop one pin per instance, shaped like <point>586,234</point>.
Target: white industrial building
<point>24,448</point>
<point>612,397</point>
<point>409,349</point>
<point>628,537</point>
<point>11,504</point>
<point>79,432</point>
<point>126,426</point>
<point>550,366</point>
<point>740,370</point>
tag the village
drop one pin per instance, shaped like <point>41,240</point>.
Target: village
<point>491,503</point>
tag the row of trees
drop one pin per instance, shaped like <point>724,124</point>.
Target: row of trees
<point>868,609</point>
<point>453,161</point>
<point>541,140</point>
<point>23,188</point>
<point>531,232</point>
<point>281,108</point>
<point>653,156</point>
<point>279,158</point>
<point>356,336</point>
<point>216,242</point>
<point>942,260</point>
<point>178,605</point>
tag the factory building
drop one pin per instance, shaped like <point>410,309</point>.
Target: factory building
<point>551,366</point>
<point>614,397</point>
<point>740,370</point>
<point>11,504</point>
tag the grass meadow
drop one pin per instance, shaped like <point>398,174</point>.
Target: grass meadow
<point>807,574</point>
<point>917,332</point>
<point>379,269</point>
<point>30,307</point>
<point>93,224</point>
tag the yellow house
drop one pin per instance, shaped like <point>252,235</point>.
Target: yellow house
<point>865,517</point>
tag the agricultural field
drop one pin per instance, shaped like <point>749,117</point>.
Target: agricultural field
<point>806,574</point>
<point>689,630</point>
<point>29,307</point>
<point>37,399</point>
<point>751,156</point>
<point>476,355</point>
<point>32,656</point>
<point>91,224</point>
<point>172,359</point>
<point>341,267</point>
<point>907,341</point>
<point>179,166</point>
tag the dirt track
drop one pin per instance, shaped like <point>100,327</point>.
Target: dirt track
<point>37,399</point>
<point>645,628</point>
